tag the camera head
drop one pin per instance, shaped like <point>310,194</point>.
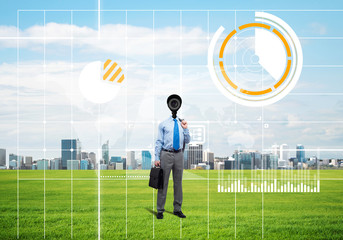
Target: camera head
<point>174,103</point>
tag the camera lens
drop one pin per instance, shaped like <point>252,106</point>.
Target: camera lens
<point>174,102</point>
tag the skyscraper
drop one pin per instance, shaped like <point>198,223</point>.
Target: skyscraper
<point>273,161</point>
<point>301,153</point>
<point>84,155</point>
<point>57,162</point>
<point>116,159</point>
<point>209,159</point>
<point>195,154</point>
<point>276,150</point>
<point>2,157</point>
<point>92,157</point>
<point>105,152</point>
<point>247,159</point>
<point>130,160</point>
<point>146,160</point>
<point>28,162</point>
<point>42,164</point>
<point>84,164</point>
<point>73,164</point>
<point>124,162</point>
<point>19,159</point>
<point>71,150</point>
<point>284,155</point>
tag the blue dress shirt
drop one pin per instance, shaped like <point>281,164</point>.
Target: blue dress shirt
<point>165,136</point>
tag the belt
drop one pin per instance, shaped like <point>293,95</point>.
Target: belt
<point>175,151</point>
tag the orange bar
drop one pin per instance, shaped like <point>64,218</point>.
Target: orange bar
<point>284,75</point>
<point>254,25</point>
<point>106,63</point>
<point>109,71</point>
<point>221,53</point>
<point>226,76</point>
<point>284,41</point>
<point>115,74</point>
<point>121,79</point>
<point>256,92</point>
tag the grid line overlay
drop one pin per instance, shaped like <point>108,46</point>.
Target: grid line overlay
<point>17,122</point>
<point>71,120</point>
<point>44,113</point>
<point>262,121</point>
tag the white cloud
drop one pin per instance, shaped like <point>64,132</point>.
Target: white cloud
<point>112,39</point>
<point>318,28</point>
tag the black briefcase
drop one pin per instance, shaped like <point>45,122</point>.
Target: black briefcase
<point>156,178</point>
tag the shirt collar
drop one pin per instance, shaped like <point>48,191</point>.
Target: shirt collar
<point>171,117</point>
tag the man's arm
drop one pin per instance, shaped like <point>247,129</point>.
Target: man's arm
<point>159,142</point>
<point>186,135</point>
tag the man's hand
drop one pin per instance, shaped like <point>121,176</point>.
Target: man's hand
<point>184,124</point>
<point>157,163</point>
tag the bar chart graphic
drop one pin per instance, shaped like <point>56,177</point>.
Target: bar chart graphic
<point>270,181</point>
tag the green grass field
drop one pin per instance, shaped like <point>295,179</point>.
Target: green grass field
<point>284,215</point>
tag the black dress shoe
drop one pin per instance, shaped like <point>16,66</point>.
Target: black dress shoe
<point>159,215</point>
<point>179,214</point>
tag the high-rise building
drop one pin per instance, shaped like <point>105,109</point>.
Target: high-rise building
<point>130,160</point>
<point>42,164</point>
<point>273,161</point>
<point>276,150</point>
<point>13,164</point>
<point>2,157</point>
<point>73,164</point>
<point>301,153</point>
<point>58,163</point>
<point>218,165</point>
<point>284,156</point>
<point>92,157</point>
<point>124,162</point>
<point>229,163</point>
<point>103,166</point>
<point>119,166</point>
<point>18,159</point>
<point>70,150</point>
<point>28,162</point>
<point>245,161</point>
<point>84,155</point>
<point>116,159</point>
<point>248,159</point>
<point>105,152</point>
<point>293,163</point>
<point>146,160</point>
<point>257,160</point>
<point>208,157</point>
<point>51,164</point>
<point>195,154</point>
<point>84,164</point>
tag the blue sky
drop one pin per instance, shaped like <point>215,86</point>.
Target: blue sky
<point>312,114</point>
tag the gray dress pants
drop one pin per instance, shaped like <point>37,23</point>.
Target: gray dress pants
<point>171,161</point>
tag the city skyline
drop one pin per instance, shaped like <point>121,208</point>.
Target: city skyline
<point>194,155</point>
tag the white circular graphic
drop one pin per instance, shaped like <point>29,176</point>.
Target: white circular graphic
<point>258,63</point>
<point>92,85</point>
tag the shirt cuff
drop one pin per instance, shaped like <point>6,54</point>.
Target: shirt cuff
<point>185,130</point>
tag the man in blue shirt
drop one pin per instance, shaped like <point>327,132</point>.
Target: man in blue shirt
<point>172,134</point>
